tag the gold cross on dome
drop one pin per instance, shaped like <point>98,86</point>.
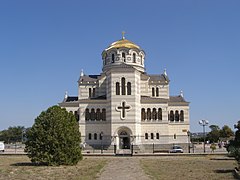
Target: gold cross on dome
<point>123,33</point>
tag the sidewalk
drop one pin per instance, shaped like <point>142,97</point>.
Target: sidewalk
<point>123,168</point>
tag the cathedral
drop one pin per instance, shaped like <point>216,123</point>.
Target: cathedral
<point>125,107</point>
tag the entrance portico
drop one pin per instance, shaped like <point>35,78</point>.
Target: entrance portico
<point>123,138</point>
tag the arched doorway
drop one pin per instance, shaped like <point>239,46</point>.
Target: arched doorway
<point>124,140</point>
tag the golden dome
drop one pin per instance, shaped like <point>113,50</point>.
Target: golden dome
<point>123,43</point>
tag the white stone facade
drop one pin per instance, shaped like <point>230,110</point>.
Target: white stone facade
<point>125,106</point>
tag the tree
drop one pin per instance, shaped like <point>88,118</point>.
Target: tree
<point>12,134</point>
<point>54,138</point>
<point>226,132</point>
<point>214,134</point>
<point>234,145</point>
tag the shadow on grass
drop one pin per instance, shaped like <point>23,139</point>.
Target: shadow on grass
<point>224,171</point>
<point>29,164</point>
<point>231,171</point>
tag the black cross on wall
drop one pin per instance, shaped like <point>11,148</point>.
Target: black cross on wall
<point>123,109</point>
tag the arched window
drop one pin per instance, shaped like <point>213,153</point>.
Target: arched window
<point>100,136</point>
<point>143,114</point>
<point>113,58</point>
<point>134,57</point>
<point>154,114</point>
<point>94,91</point>
<point>104,114</point>
<point>87,114</point>
<point>174,136</point>
<point>76,115</point>
<point>141,59</point>
<point>181,115</point>
<point>98,115</point>
<point>90,92</point>
<point>159,113</point>
<point>123,86</point>
<point>157,135</point>
<point>95,136</point>
<point>153,92</point>
<point>146,135</point>
<point>92,114</point>
<point>124,57</point>
<point>148,114</point>
<point>117,88</point>
<point>89,136</point>
<point>128,88</point>
<point>152,136</point>
<point>157,91</point>
<point>176,116</point>
<point>171,118</point>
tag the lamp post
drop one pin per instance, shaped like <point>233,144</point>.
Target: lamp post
<point>188,134</point>
<point>203,123</point>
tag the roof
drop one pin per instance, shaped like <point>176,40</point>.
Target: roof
<point>123,43</point>
<point>172,100</point>
<point>88,78</point>
<point>71,98</point>
<point>162,78</point>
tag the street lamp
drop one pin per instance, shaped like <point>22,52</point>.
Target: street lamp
<point>203,123</point>
<point>188,134</point>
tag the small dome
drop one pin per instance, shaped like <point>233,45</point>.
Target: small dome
<point>123,43</point>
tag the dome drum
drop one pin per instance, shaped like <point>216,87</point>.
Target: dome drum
<point>123,51</point>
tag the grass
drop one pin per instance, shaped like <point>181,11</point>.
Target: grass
<point>188,168</point>
<point>164,167</point>
<point>20,167</point>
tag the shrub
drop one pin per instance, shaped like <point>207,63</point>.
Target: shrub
<point>54,138</point>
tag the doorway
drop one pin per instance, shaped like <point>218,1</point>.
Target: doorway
<point>124,140</point>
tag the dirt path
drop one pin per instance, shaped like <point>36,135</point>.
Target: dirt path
<point>123,168</point>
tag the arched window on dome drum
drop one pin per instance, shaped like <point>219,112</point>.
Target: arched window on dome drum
<point>113,58</point>
<point>87,115</point>
<point>153,92</point>
<point>89,136</point>
<point>143,113</point>
<point>146,135</point>
<point>176,116</point>
<point>98,115</point>
<point>157,135</point>
<point>134,57</point>
<point>152,136</point>
<point>141,60</point>
<point>171,117</point>
<point>129,88</point>
<point>123,86</point>
<point>159,113</point>
<point>181,115</point>
<point>154,114</point>
<point>95,136</point>
<point>148,114</point>
<point>157,91</point>
<point>124,57</point>
<point>117,88</point>
<point>92,114</point>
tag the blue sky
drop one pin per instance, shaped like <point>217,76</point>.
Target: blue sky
<point>45,44</point>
